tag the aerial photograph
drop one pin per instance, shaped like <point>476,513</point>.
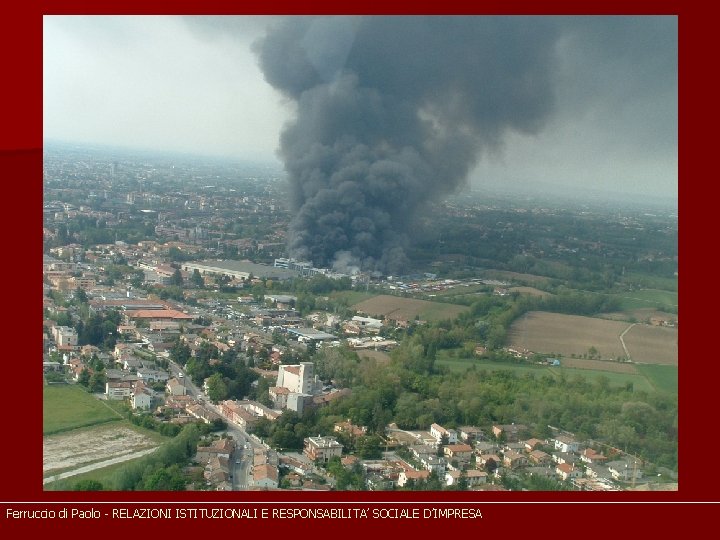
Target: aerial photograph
<point>360,253</point>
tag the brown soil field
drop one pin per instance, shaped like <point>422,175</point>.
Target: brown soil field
<point>653,344</point>
<point>567,334</point>
<point>530,290</point>
<point>99,445</point>
<point>398,308</point>
<point>573,334</point>
<point>599,365</point>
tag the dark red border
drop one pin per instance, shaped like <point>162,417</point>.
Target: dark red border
<point>537,513</point>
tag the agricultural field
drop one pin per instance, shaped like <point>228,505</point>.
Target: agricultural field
<point>352,297</point>
<point>642,315</point>
<point>652,344</point>
<point>567,334</point>
<point>530,279</point>
<point>600,365</point>
<point>532,291</point>
<point>570,335</point>
<point>398,308</point>
<point>647,298</point>
<point>67,407</point>
<point>663,378</point>
<point>639,381</point>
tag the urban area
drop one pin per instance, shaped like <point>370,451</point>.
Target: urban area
<point>529,343</point>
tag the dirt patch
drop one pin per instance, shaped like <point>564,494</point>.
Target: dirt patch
<point>78,449</point>
<point>599,365</point>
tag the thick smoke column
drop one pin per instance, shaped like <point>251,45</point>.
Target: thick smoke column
<point>392,112</point>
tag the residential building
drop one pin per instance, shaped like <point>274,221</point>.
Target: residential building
<point>460,453</point>
<point>514,460</point>
<point>470,434</point>
<point>567,471</point>
<point>566,443</point>
<point>624,470</point>
<point>409,475</point>
<point>65,336</point>
<point>118,390</point>
<point>265,476</point>
<point>322,448</point>
<point>473,477</point>
<point>438,432</point>
<point>176,387</point>
<point>298,379</point>
<point>142,397</point>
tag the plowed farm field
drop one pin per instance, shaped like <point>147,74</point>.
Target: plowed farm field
<point>569,335</point>
<point>398,308</point>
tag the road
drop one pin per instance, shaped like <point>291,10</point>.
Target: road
<point>622,341</point>
<point>242,459</point>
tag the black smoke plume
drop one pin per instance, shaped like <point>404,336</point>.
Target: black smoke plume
<point>392,113</point>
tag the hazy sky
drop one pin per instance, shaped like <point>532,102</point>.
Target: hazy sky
<point>193,84</point>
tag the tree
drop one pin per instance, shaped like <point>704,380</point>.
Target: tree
<point>88,485</point>
<point>81,296</point>
<point>217,388</point>
<point>180,352</point>
<point>96,383</point>
<point>197,279</point>
<point>369,447</point>
<point>84,377</point>
<point>176,278</point>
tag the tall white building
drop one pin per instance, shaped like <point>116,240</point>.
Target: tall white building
<point>299,379</point>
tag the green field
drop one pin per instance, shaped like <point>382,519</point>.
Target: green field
<point>648,298</point>
<point>640,382</point>
<point>459,291</point>
<point>461,364</point>
<point>352,297</point>
<point>651,282</point>
<point>68,407</point>
<point>663,378</point>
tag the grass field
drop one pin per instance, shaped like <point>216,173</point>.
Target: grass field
<point>651,282</point>
<point>352,297</point>
<point>459,291</point>
<point>640,382</point>
<point>398,308</point>
<point>647,298</point>
<point>663,378</point>
<point>532,291</point>
<point>380,357</point>
<point>529,279</point>
<point>67,407</point>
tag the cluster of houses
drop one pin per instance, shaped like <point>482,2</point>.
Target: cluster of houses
<point>467,456</point>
